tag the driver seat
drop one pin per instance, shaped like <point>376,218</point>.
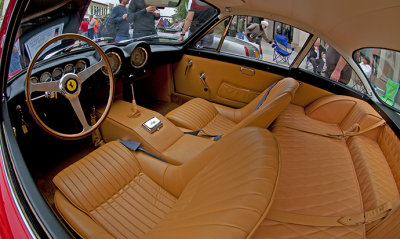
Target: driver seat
<point>225,192</point>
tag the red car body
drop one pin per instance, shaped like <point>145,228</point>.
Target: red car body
<point>12,224</point>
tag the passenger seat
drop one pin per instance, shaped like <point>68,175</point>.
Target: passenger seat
<point>215,119</point>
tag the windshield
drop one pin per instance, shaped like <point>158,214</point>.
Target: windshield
<point>104,22</point>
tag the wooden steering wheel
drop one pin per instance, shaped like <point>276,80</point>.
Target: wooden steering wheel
<point>69,86</point>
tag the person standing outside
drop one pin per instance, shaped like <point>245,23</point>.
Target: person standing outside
<point>256,30</point>
<point>96,24</point>
<point>315,57</point>
<point>84,28</point>
<point>142,17</point>
<point>286,33</point>
<point>119,16</point>
<point>337,68</point>
<point>241,27</point>
<point>198,14</point>
<point>91,24</point>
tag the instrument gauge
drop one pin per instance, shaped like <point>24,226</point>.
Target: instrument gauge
<point>34,79</point>
<point>115,62</point>
<point>80,66</point>
<point>45,77</point>
<point>57,73</point>
<point>139,57</point>
<point>69,68</point>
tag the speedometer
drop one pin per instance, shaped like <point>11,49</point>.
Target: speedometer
<point>115,62</point>
<point>139,57</point>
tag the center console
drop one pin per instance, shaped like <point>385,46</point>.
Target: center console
<point>155,132</point>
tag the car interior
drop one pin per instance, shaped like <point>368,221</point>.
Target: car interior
<point>227,146</point>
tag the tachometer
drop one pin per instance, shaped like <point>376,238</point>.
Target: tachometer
<point>139,57</point>
<point>80,66</point>
<point>45,77</point>
<point>115,62</point>
<point>57,73</point>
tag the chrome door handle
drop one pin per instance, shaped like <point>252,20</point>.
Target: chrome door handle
<point>203,77</point>
<point>247,71</point>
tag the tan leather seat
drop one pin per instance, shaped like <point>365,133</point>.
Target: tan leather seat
<point>216,119</point>
<point>225,192</point>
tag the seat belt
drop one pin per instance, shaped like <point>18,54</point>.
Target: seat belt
<point>196,133</point>
<point>265,96</point>
<point>354,130</point>
<point>135,146</point>
<point>331,221</point>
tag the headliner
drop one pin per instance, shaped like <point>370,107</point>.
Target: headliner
<point>345,24</point>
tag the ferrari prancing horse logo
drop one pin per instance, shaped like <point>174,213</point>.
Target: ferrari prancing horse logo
<point>71,85</point>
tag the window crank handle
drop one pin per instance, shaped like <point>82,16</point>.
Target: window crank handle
<point>203,80</point>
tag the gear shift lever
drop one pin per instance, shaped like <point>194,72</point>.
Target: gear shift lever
<point>134,110</point>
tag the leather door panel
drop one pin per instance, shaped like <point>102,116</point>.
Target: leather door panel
<point>227,83</point>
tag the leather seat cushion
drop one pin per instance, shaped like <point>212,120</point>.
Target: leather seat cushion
<point>241,175</point>
<point>109,186</point>
<point>200,114</point>
<point>317,178</point>
<point>374,175</point>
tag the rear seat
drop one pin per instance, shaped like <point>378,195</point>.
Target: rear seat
<point>323,176</point>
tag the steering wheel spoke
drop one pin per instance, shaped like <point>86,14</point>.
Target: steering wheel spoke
<point>85,74</point>
<point>51,86</point>
<point>76,105</point>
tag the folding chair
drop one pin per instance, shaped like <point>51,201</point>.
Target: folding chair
<point>282,49</point>
<point>389,94</point>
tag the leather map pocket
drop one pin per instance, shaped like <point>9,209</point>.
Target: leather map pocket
<point>235,93</point>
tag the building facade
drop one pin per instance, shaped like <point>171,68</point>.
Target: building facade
<point>99,9</point>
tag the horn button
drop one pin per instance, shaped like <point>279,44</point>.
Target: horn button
<point>69,84</point>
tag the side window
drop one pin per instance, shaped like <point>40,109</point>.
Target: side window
<point>324,60</point>
<point>382,69</point>
<point>258,38</point>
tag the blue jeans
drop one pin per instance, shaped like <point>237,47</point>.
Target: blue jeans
<point>90,33</point>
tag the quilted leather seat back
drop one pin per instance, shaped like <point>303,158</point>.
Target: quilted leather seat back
<point>118,168</point>
<point>277,100</point>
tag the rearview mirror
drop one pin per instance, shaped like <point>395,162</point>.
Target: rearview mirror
<point>162,3</point>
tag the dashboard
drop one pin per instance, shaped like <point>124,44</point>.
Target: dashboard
<point>125,60</point>
<point>57,72</point>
